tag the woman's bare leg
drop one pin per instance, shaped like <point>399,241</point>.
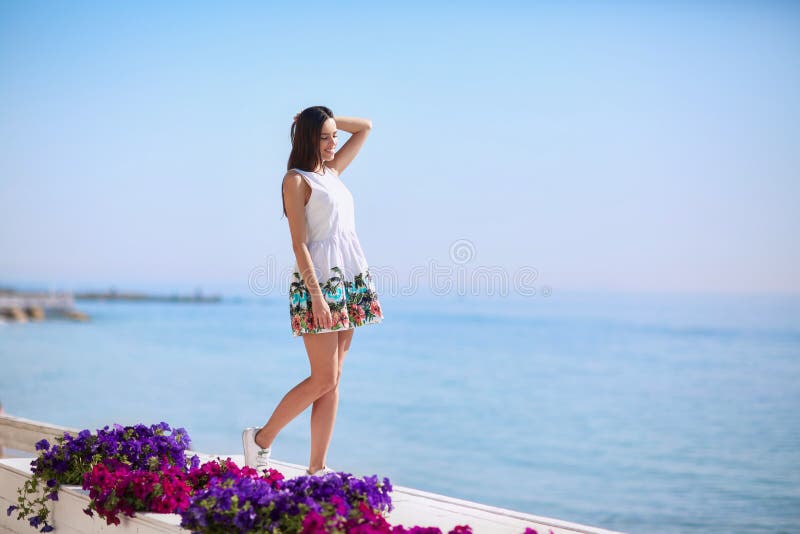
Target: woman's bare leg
<point>323,412</point>
<point>322,354</point>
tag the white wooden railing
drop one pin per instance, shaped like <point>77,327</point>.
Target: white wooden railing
<point>412,506</point>
<point>23,434</point>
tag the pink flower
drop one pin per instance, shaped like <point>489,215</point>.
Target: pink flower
<point>161,505</point>
<point>367,522</point>
<point>274,477</point>
<point>139,490</point>
<point>339,504</point>
<point>375,308</point>
<point>314,523</point>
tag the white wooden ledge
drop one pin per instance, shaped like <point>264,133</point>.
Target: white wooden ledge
<point>22,434</point>
<point>411,506</point>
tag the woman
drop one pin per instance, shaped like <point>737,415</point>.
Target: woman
<point>331,292</point>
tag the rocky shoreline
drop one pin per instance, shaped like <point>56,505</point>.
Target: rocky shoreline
<point>27,306</point>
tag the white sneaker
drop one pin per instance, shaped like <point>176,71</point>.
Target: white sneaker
<point>254,456</point>
<point>324,471</point>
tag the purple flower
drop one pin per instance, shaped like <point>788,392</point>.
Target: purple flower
<point>11,509</point>
<point>42,445</point>
<point>245,519</point>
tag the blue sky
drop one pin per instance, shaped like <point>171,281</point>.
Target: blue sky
<point>622,146</point>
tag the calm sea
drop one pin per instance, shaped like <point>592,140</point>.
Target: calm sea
<point>646,414</point>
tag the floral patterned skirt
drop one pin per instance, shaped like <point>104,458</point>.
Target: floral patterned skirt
<point>352,303</point>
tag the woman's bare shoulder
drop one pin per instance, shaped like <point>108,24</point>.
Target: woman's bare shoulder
<point>296,183</point>
<point>292,177</point>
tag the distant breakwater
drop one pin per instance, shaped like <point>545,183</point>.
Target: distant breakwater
<point>26,306</point>
<point>144,297</point>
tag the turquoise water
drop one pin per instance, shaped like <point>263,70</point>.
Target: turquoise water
<point>645,414</point>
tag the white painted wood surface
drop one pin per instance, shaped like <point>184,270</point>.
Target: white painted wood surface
<point>23,434</point>
<point>412,506</point>
<point>67,513</point>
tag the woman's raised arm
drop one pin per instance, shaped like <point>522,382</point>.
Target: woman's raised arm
<point>360,129</point>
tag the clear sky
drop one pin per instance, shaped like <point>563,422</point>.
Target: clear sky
<point>637,146</point>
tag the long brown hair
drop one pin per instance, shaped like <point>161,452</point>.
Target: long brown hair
<point>305,134</point>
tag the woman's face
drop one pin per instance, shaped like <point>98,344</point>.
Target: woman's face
<point>328,139</point>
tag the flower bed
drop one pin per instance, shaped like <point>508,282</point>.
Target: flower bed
<point>72,457</point>
<point>145,469</point>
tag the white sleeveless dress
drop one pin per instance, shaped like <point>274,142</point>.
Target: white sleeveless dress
<point>339,263</point>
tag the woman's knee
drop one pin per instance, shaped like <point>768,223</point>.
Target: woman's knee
<point>323,356</point>
<point>324,383</point>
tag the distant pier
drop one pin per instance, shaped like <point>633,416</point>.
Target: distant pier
<point>27,306</point>
<point>144,297</point>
